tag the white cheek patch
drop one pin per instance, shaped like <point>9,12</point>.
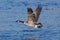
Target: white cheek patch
<point>18,21</point>
<point>24,23</point>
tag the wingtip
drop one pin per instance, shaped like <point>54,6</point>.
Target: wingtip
<point>29,9</point>
<point>39,7</point>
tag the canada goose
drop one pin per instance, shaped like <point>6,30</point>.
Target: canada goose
<point>33,17</point>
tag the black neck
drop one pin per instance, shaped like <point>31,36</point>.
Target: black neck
<point>22,21</point>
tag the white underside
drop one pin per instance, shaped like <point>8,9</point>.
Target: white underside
<point>28,25</point>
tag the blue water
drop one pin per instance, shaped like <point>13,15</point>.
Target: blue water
<point>11,30</point>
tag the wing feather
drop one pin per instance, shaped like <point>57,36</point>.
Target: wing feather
<point>34,15</point>
<point>30,11</point>
<point>37,13</point>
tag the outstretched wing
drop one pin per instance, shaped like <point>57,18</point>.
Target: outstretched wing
<point>31,17</point>
<point>37,12</point>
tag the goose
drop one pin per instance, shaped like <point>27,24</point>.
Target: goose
<point>33,17</point>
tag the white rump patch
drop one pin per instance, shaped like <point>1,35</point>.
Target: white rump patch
<point>35,26</point>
